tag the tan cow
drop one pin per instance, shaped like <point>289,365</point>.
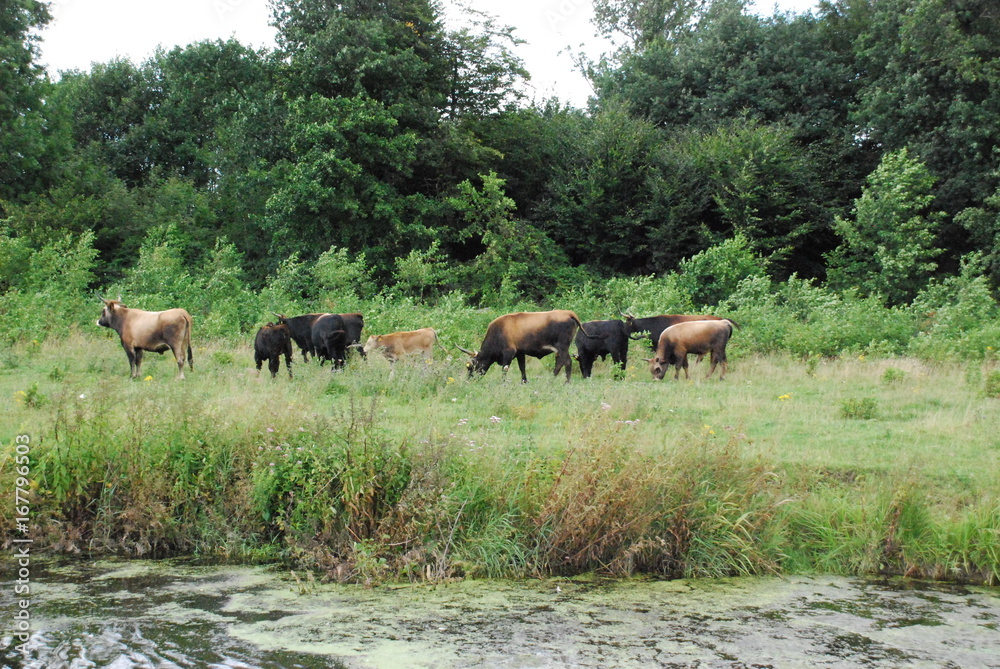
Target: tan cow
<point>401,344</point>
<point>697,337</point>
<point>154,331</point>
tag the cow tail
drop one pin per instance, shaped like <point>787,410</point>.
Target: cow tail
<point>734,323</point>
<point>190,354</point>
<point>585,333</point>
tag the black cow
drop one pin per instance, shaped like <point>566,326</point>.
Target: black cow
<point>655,325</point>
<point>300,330</point>
<point>606,338</point>
<point>353,325</point>
<point>273,341</point>
<point>514,336</point>
<point>329,339</point>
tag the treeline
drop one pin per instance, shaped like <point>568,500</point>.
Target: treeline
<point>379,151</point>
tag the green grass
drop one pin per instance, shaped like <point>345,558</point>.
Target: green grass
<point>419,472</point>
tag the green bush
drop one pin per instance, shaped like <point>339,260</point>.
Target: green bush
<point>863,408</point>
<point>991,386</point>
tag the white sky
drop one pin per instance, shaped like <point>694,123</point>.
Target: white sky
<point>95,31</point>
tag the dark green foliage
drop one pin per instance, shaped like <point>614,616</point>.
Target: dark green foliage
<point>24,144</point>
<point>822,167</point>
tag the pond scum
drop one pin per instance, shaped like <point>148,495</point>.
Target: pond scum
<point>419,473</point>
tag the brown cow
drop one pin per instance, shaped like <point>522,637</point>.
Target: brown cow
<point>400,344</point>
<point>698,337</point>
<point>154,331</point>
<point>534,333</point>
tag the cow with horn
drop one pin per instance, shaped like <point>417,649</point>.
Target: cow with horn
<point>155,331</point>
<point>534,333</point>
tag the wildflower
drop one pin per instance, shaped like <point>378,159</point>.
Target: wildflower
<point>451,379</point>
<point>605,406</point>
<point>148,378</point>
<point>463,421</point>
<point>83,396</point>
<point>494,419</point>
<point>302,429</point>
<point>786,396</point>
<point>454,399</point>
<point>270,429</point>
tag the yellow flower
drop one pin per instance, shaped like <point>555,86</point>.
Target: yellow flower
<point>451,380</point>
<point>786,396</point>
<point>148,378</point>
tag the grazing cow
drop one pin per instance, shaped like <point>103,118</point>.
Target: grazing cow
<point>536,333</point>
<point>300,330</point>
<point>273,341</point>
<point>654,325</point>
<point>606,337</point>
<point>154,331</point>
<point>400,344</point>
<point>329,337</point>
<point>698,337</point>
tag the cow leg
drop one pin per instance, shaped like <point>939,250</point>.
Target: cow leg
<point>258,361</point>
<point>288,364</point>
<point>273,363</point>
<point>137,357</point>
<point>520,365</point>
<point>179,357</point>
<point>563,360</point>
<point>131,362</point>
<point>586,365</point>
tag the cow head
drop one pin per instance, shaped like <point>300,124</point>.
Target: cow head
<point>110,313</point>
<point>657,367</point>
<point>374,341</point>
<point>475,364</point>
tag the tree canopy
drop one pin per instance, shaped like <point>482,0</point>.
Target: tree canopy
<point>854,145</point>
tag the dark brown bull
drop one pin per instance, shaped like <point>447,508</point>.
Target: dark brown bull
<point>273,341</point>
<point>535,333</point>
<point>155,331</point>
<point>697,337</point>
<point>401,344</point>
<point>654,325</point>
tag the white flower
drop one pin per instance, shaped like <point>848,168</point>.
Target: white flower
<point>494,419</point>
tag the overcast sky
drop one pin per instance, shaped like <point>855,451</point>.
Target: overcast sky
<point>95,31</point>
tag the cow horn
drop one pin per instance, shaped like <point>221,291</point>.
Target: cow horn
<point>466,351</point>
<point>647,359</point>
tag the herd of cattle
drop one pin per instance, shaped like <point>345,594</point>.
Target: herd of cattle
<point>328,337</point>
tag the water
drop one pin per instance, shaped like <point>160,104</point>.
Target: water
<point>173,614</point>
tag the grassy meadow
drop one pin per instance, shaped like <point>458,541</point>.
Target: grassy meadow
<point>850,465</point>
